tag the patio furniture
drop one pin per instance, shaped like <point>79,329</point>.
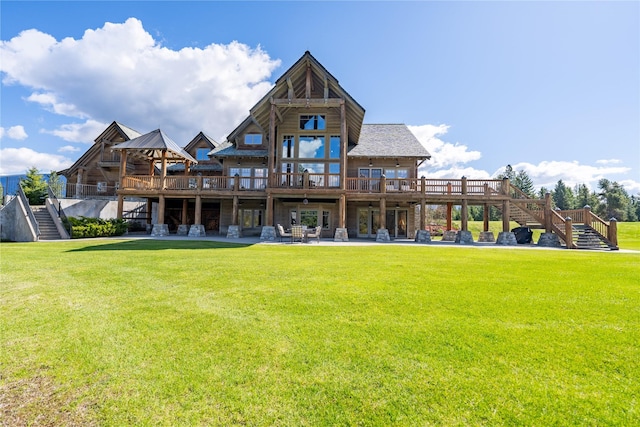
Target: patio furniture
<point>297,232</point>
<point>282,233</point>
<point>315,233</point>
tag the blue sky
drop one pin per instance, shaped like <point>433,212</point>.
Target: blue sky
<point>549,87</point>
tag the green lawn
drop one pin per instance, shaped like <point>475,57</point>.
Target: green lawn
<point>116,332</point>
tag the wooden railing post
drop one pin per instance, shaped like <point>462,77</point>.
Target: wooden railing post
<point>423,183</point>
<point>383,185</point>
<point>236,184</point>
<point>505,186</point>
<point>587,215</point>
<point>568,231</point>
<point>612,231</point>
<point>305,179</point>
<point>548,220</point>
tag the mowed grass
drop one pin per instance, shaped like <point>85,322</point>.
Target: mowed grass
<point>116,332</point>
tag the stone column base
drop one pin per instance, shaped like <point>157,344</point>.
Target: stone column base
<point>183,230</point>
<point>160,230</point>
<point>486,237</point>
<point>549,240</point>
<point>449,236</point>
<point>506,238</point>
<point>233,232</point>
<point>341,235</point>
<point>423,236</point>
<point>383,235</point>
<point>268,233</point>
<point>197,230</point>
<point>464,237</point>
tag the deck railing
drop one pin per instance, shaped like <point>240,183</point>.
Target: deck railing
<point>88,191</point>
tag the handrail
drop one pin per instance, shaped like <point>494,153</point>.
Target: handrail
<point>66,225</point>
<point>31,217</point>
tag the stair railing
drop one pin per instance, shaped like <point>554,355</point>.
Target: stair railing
<point>58,207</point>
<point>30,216</point>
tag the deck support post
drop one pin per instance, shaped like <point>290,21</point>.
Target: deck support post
<point>198,212</point>
<point>547,213</point>
<point>449,216</point>
<point>234,211</point>
<point>464,211</point>
<point>342,206</point>
<point>269,211</point>
<point>485,217</point>
<point>383,213</point>
<point>185,206</point>
<point>343,145</point>
<point>505,215</point>
<point>271,173</point>
<point>423,214</point>
<point>568,232</point>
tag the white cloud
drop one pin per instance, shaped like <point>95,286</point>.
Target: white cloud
<point>68,149</point>
<point>79,132</point>
<point>547,173</point>
<point>121,73</point>
<point>14,132</point>
<point>443,154</point>
<point>19,160</point>
<point>609,161</point>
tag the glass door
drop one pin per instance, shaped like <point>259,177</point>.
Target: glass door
<point>368,222</point>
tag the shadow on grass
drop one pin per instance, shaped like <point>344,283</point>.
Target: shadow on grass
<point>157,245</point>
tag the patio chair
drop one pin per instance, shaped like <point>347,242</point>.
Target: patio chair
<point>282,233</point>
<point>315,234</point>
<point>297,233</point>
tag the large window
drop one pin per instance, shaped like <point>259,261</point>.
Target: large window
<point>311,147</point>
<point>250,178</point>
<point>311,218</point>
<point>312,122</point>
<point>253,139</point>
<point>288,146</point>
<point>251,218</point>
<point>334,147</point>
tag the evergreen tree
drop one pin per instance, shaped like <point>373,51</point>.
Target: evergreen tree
<point>34,187</point>
<point>584,197</point>
<point>563,196</point>
<point>524,183</point>
<point>615,200</point>
<point>55,183</point>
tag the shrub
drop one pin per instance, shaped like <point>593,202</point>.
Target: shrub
<point>96,227</point>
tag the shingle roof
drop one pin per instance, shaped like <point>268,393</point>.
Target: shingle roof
<point>388,140</point>
<point>152,144</point>
<point>227,149</point>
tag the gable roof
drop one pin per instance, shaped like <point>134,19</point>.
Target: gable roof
<point>151,146</point>
<point>293,82</point>
<point>201,136</point>
<point>388,140</point>
<point>228,149</point>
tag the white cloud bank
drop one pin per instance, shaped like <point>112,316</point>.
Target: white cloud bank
<point>121,73</point>
<point>450,160</point>
<point>15,161</point>
<point>14,132</point>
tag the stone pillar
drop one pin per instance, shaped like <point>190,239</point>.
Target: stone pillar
<point>341,235</point>
<point>183,230</point>
<point>449,236</point>
<point>383,235</point>
<point>197,230</point>
<point>233,232</point>
<point>506,238</point>
<point>423,236</point>
<point>464,237</point>
<point>268,233</point>
<point>486,237</point>
<point>549,240</point>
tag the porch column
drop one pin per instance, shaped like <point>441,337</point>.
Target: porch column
<point>123,171</point>
<point>160,229</point>
<point>120,206</point>
<point>198,213</point>
<point>149,210</point>
<point>343,145</point>
<point>185,206</point>
<point>464,211</point>
<point>79,179</point>
<point>505,216</point>
<point>269,220</point>
<point>161,209</point>
<point>163,173</point>
<point>383,213</point>
<point>234,212</point>
<point>342,206</point>
<point>271,173</point>
<point>423,214</point>
<point>548,221</point>
<point>485,217</point>
<point>449,216</point>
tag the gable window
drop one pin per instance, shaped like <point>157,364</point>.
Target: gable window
<point>311,147</point>
<point>201,154</point>
<point>312,122</point>
<point>334,147</point>
<point>253,139</point>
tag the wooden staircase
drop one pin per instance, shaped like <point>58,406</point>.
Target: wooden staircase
<point>585,237</point>
<point>48,229</point>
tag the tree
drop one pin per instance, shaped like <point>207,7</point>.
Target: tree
<point>34,187</point>
<point>520,179</point>
<point>584,197</point>
<point>55,183</point>
<point>563,196</point>
<point>614,200</point>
